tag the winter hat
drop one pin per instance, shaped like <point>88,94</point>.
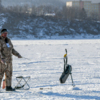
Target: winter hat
<point>3,30</point>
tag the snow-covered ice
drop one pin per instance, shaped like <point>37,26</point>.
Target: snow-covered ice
<point>45,65</point>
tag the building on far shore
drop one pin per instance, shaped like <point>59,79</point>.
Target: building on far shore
<point>91,8</point>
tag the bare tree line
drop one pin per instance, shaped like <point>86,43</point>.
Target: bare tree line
<point>69,13</point>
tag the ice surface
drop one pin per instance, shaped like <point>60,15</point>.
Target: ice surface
<point>45,65</point>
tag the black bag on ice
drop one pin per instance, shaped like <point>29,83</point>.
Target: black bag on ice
<point>65,74</point>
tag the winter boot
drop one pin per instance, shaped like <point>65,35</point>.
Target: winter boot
<point>9,88</point>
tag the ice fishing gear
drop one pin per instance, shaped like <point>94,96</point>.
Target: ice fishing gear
<point>48,88</point>
<point>4,84</point>
<point>67,70</point>
<point>72,80</point>
<point>26,58</point>
<point>22,80</point>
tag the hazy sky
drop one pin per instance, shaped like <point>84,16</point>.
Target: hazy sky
<point>39,2</point>
<point>82,0</point>
<point>34,2</point>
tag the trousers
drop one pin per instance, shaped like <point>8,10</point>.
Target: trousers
<point>7,69</point>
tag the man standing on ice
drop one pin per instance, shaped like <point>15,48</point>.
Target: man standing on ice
<point>6,51</point>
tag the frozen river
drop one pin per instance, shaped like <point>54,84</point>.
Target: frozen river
<point>45,65</point>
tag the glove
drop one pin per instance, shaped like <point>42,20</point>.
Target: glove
<point>19,56</point>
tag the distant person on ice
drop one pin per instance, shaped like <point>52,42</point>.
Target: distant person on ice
<point>6,51</point>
